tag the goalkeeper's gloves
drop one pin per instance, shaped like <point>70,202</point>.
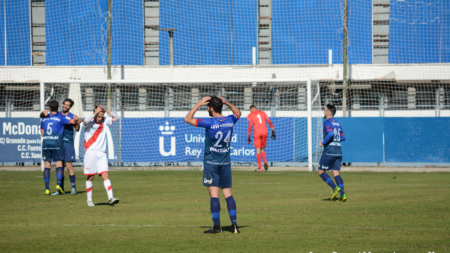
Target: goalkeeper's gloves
<point>274,135</point>
<point>249,140</point>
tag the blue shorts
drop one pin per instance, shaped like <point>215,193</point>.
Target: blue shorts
<point>330,162</point>
<point>69,154</point>
<point>217,175</point>
<point>54,155</point>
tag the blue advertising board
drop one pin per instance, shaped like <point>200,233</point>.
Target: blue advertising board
<point>410,140</point>
<point>20,140</point>
<point>172,140</point>
<point>417,140</point>
<point>364,139</point>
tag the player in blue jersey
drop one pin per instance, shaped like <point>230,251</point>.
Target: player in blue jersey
<point>332,154</point>
<point>217,163</point>
<point>52,130</point>
<point>68,149</point>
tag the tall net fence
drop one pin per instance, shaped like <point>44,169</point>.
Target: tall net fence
<point>88,35</point>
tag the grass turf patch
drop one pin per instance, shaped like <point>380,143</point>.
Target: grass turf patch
<point>167,211</point>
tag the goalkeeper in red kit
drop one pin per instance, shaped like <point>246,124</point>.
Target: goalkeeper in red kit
<point>257,120</point>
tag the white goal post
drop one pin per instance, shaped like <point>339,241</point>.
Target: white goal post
<point>310,97</point>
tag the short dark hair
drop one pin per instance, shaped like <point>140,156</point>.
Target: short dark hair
<point>53,105</point>
<point>70,101</point>
<point>96,108</point>
<point>252,106</point>
<point>332,109</point>
<point>216,103</point>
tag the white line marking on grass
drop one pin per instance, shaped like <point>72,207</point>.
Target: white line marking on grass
<point>146,183</point>
<point>269,183</point>
<point>182,226</point>
<point>258,183</point>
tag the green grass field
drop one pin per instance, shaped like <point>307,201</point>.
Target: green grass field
<point>167,211</point>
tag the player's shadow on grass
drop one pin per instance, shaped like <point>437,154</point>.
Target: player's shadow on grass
<point>78,192</point>
<point>226,228</point>
<point>230,228</point>
<point>328,199</point>
<point>107,204</point>
<point>103,204</point>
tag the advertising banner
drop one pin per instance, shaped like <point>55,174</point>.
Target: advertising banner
<point>20,140</point>
<point>172,140</point>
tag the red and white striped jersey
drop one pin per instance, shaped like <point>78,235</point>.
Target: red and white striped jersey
<point>95,135</point>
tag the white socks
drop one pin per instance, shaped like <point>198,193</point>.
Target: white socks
<point>108,188</point>
<point>89,190</point>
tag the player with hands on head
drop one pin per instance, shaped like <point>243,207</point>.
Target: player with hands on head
<point>95,159</point>
<point>257,120</point>
<point>217,162</point>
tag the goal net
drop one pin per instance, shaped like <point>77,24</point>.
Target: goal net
<point>152,131</point>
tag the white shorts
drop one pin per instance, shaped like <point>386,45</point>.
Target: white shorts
<point>95,162</point>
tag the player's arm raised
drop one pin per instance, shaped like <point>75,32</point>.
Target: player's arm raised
<point>77,126</point>
<point>75,120</point>
<point>43,113</point>
<point>190,116</point>
<point>115,116</point>
<point>90,117</point>
<point>233,108</point>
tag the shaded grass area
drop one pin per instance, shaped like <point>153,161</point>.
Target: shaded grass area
<point>167,211</point>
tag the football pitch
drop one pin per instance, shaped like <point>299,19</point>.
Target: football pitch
<point>167,211</point>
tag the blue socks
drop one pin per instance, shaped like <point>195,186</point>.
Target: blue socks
<point>72,181</point>
<point>340,183</point>
<point>59,175</point>
<point>47,178</point>
<point>215,211</point>
<point>328,180</point>
<point>231,204</point>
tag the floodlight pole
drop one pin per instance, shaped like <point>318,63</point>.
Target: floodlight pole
<point>171,45</point>
<point>170,30</point>
<point>108,103</point>
<point>171,48</point>
<point>345,67</point>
